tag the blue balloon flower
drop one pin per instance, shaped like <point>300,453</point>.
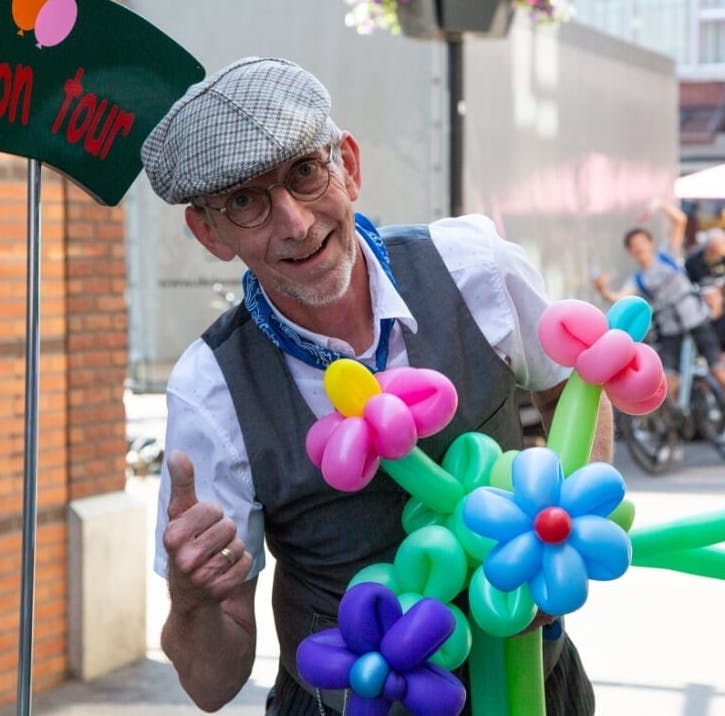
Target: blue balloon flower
<point>381,654</point>
<point>550,532</point>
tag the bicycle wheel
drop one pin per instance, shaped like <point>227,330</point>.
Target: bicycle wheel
<point>651,439</point>
<point>708,412</point>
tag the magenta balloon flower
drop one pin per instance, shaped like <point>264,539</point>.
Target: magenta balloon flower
<point>551,533</point>
<point>382,654</point>
<point>376,417</point>
<point>607,352</point>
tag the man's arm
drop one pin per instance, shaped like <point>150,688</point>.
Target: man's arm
<point>603,446</point>
<point>210,632</point>
<point>601,284</point>
<point>678,223</point>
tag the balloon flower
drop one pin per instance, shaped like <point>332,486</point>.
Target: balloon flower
<point>551,533</point>
<point>375,416</point>
<point>535,532</point>
<point>606,354</point>
<point>381,654</point>
<point>577,334</point>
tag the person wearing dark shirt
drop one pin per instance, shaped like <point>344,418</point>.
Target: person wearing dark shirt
<point>706,269</point>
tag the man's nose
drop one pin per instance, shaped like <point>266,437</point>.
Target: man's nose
<point>292,214</point>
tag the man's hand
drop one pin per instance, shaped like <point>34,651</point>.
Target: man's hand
<point>207,560</point>
<point>210,634</point>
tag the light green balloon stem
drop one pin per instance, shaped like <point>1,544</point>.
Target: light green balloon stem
<point>574,423</point>
<point>525,675</point>
<point>506,674</point>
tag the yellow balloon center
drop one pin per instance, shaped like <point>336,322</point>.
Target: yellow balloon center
<point>350,385</point>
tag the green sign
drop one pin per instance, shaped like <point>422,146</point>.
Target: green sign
<point>82,83</point>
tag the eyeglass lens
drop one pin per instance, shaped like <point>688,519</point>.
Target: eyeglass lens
<point>305,180</point>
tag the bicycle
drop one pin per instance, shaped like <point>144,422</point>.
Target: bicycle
<point>654,440</point>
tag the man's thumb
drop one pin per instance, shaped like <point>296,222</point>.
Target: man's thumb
<point>182,495</point>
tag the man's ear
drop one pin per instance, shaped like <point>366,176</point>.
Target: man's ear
<point>206,234</point>
<point>350,152</point>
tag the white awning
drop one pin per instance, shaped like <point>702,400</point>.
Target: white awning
<point>706,184</point>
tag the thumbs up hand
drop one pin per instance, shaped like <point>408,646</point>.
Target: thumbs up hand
<point>207,560</point>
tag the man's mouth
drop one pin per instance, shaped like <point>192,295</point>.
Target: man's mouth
<point>314,252</point>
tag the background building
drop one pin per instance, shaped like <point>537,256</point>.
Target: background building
<point>692,32</point>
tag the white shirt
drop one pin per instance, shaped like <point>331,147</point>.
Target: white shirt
<point>503,291</point>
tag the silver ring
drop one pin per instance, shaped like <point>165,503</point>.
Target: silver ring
<point>228,555</point>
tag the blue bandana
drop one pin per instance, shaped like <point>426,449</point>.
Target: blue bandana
<point>291,342</point>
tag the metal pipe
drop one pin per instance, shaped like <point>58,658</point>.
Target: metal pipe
<point>32,352</point>
<point>456,112</point>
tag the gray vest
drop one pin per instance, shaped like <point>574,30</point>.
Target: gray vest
<point>320,537</point>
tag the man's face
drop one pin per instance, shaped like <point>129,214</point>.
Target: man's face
<point>305,250</point>
<point>715,247</point>
<point>641,248</point>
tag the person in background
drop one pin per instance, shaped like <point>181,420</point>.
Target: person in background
<point>706,269</point>
<point>268,178</point>
<point>677,307</point>
<point>692,226</point>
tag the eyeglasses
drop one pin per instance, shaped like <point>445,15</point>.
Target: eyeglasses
<point>306,180</point>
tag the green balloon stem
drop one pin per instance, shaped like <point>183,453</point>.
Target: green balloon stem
<point>525,675</point>
<point>425,479</point>
<point>685,534</point>
<point>703,562</point>
<point>487,674</point>
<point>574,423</point>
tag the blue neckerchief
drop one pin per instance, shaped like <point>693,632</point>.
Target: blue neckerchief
<point>288,340</point>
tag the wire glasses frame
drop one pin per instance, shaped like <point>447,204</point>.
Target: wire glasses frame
<point>249,207</point>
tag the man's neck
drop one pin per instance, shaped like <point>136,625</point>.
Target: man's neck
<point>349,318</point>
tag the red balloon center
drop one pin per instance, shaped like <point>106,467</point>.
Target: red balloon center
<point>553,525</point>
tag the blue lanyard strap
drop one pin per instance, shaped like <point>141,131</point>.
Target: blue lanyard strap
<point>288,340</point>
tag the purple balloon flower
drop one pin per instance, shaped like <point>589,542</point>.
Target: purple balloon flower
<point>551,533</point>
<point>382,655</point>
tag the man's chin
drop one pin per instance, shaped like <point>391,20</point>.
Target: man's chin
<point>315,298</point>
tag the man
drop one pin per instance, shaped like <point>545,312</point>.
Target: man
<point>706,269</point>
<point>270,179</point>
<point>677,307</point>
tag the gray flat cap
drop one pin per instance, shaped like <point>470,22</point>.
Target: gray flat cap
<point>234,125</point>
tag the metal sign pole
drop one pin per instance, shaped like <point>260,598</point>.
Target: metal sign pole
<point>32,351</point>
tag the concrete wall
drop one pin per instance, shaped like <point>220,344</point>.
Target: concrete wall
<point>106,583</point>
<point>568,135</point>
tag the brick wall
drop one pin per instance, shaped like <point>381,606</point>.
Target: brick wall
<point>81,432</point>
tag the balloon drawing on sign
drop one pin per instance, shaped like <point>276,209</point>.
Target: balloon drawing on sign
<point>25,13</point>
<point>55,21</point>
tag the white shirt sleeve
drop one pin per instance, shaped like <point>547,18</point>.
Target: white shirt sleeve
<point>202,423</point>
<point>503,291</point>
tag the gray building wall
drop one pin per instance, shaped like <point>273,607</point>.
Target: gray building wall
<point>568,134</point>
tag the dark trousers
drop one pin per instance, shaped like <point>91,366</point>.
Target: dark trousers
<point>568,692</point>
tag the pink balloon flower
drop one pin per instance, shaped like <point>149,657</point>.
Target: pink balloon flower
<point>389,412</point>
<point>604,352</point>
